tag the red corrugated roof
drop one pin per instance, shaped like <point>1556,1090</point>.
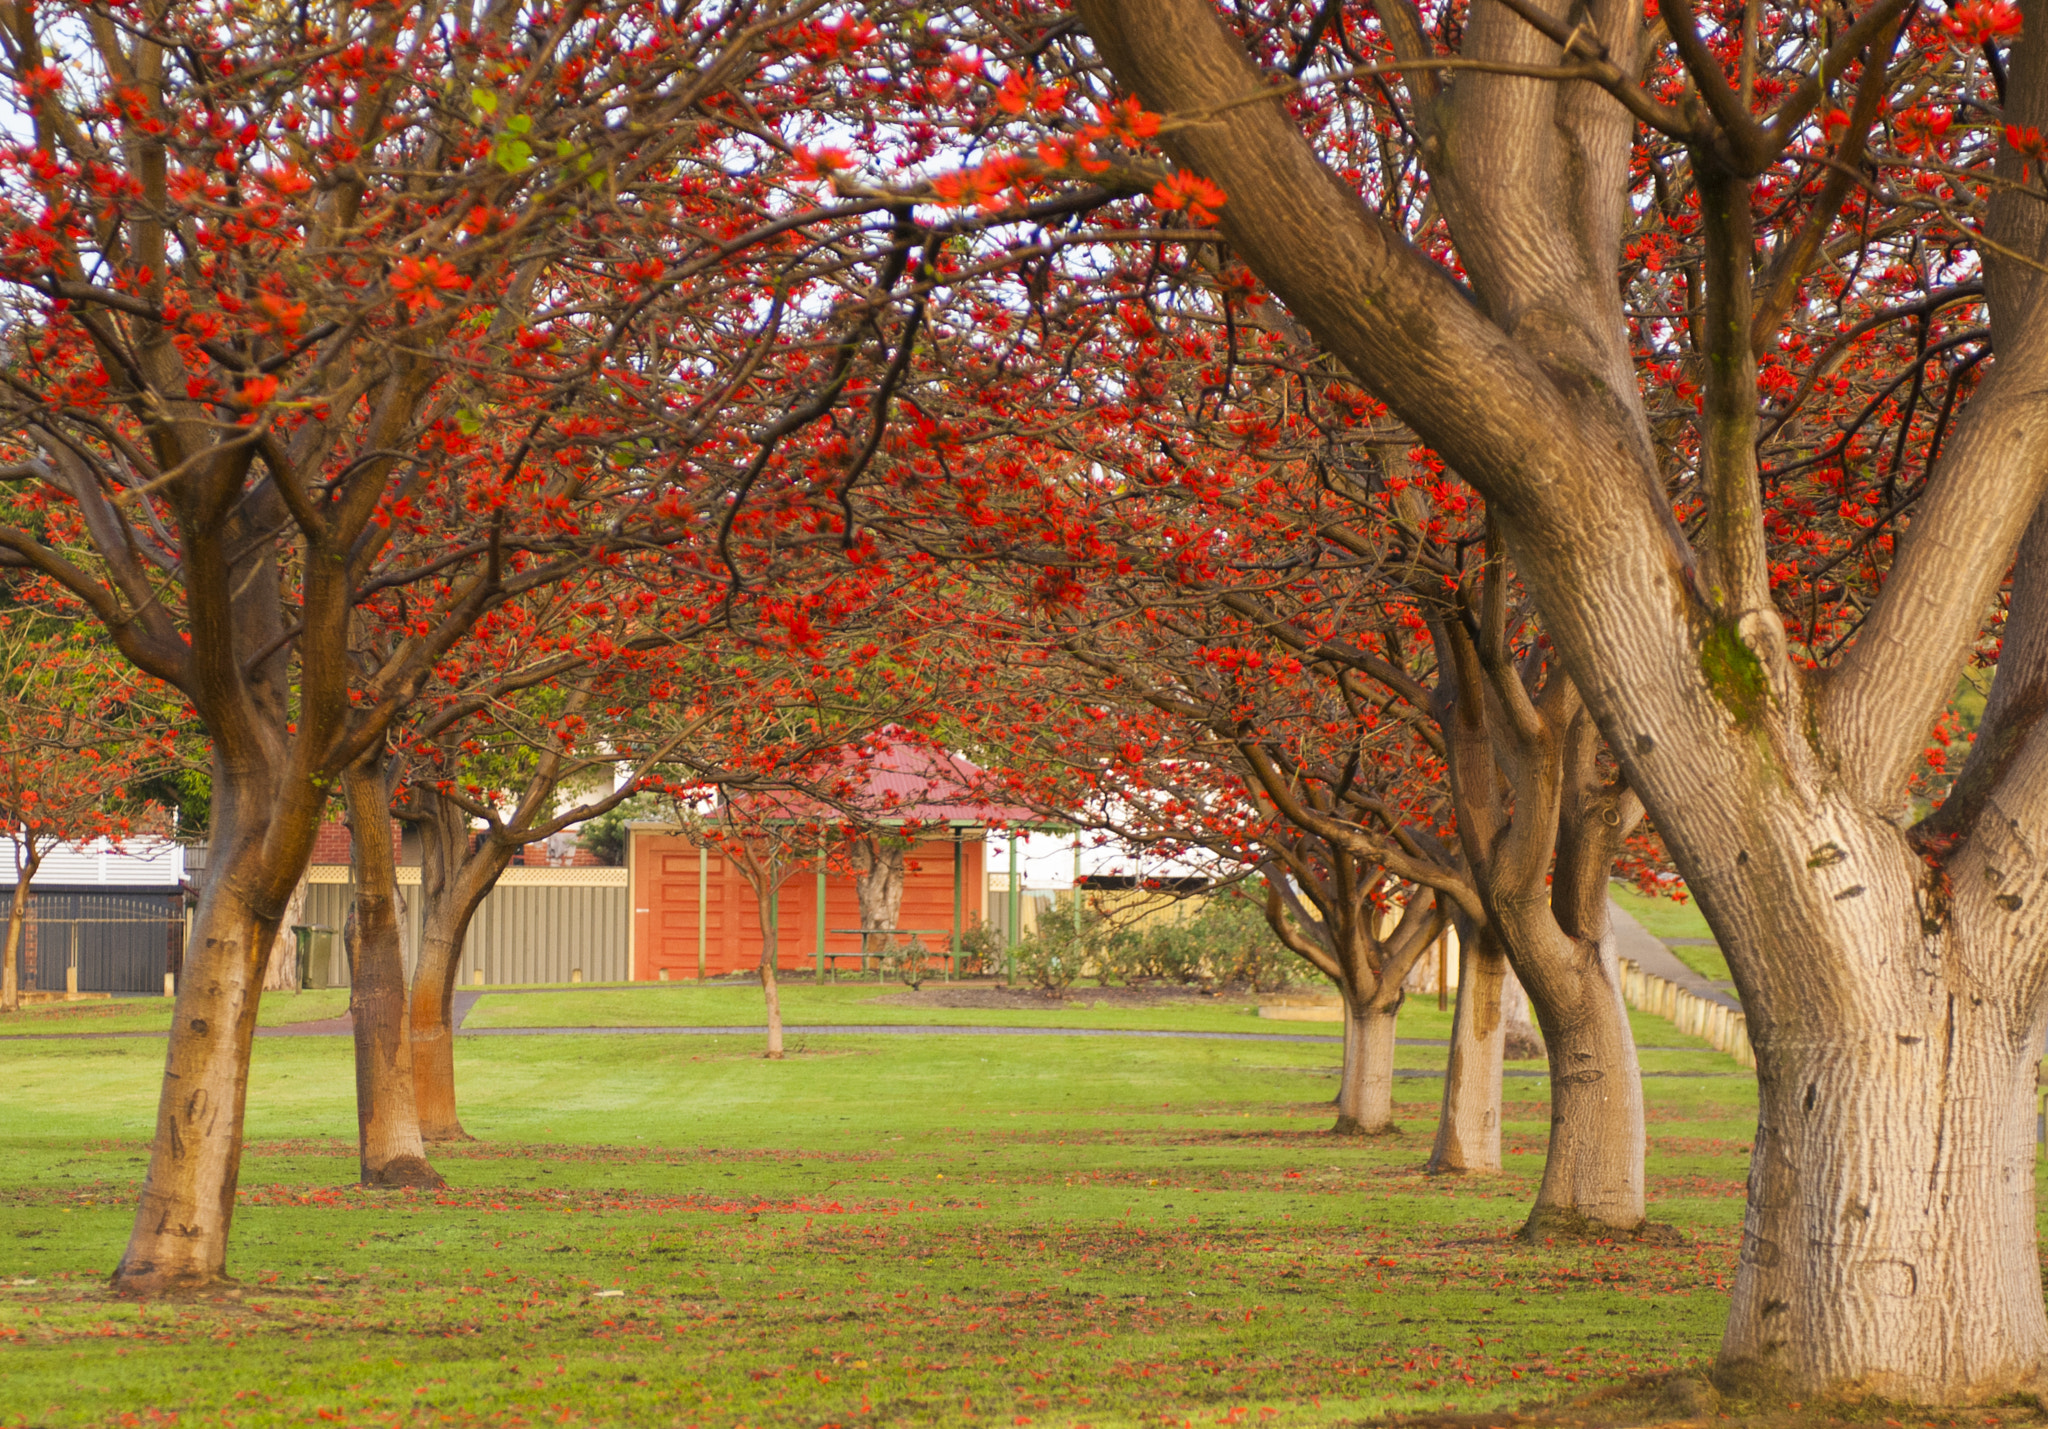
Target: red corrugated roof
<point>895,779</point>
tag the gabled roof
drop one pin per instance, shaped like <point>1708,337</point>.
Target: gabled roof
<point>892,779</point>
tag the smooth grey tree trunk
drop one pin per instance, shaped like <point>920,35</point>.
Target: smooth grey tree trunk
<point>1593,1173</point>
<point>881,864</point>
<point>1468,1128</point>
<point>1365,1097</point>
<point>392,1152</point>
<point>27,859</point>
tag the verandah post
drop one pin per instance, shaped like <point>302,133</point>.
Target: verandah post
<point>959,893</point>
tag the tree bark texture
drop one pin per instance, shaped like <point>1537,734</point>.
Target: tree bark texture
<point>1880,1215</point>
<point>771,1000</point>
<point>1889,1244</point>
<point>1593,1173</point>
<point>17,927</point>
<point>1541,828</point>
<point>387,1117</point>
<point>1524,1040</point>
<point>185,1212</point>
<point>1468,1128</point>
<point>766,875</point>
<point>454,881</point>
<point>1365,1097</point>
<point>1892,989</point>
<point>187,1205</point>
<point>282,971</point>
<point>880,865</point>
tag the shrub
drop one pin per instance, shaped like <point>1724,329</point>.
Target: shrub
<point>1227,943</point>
<point>981,951</point>
<point>910,963</point>
<point>1048,964</point>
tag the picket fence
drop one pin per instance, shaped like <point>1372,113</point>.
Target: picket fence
<point>1723,1027</point>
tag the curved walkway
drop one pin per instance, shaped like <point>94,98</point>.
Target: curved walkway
<point>1632,940</point>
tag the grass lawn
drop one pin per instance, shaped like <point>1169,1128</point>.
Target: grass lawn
<point>883,1229</point>
<point>738,1004</point>
<point>153,1014</point>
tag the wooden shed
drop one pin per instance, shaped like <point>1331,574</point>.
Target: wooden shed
<point>694,914</point>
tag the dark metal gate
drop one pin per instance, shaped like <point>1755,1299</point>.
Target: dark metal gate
<point>119,942</point>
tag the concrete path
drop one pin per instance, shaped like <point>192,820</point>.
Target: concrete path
<point>1632,940</point>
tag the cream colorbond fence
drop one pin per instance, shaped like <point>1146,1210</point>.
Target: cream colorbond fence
<point>539,925</point>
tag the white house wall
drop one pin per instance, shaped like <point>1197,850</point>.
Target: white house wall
<point>137,863</point>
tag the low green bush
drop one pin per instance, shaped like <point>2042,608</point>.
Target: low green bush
<point>981,949</point>
<point>1050,959</point>
<point>1225,944</point>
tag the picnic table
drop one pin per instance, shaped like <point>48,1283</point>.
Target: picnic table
<point>880,956</point>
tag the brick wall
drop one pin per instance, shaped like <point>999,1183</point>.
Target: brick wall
<point>332,845</point>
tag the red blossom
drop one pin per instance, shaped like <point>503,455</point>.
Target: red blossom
<point>1192,192</point>
<point>418,282</point>
<point>1976,22</point>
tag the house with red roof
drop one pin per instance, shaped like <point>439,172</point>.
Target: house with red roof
<point>695,915</point>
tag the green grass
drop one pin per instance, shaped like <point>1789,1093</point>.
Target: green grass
<point>738,1004</point>
<point>153,1014</point>
<point>881,1230</point>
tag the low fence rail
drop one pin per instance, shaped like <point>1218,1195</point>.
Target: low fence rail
<point>1722,1027</point>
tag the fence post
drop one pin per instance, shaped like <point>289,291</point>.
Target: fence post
<point>1077,893</point>
<point>821,898</point>
<point>1016,906</point>
<point>959,893</point>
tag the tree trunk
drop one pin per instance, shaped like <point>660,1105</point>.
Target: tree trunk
<point>1889,1245</point>
<point>772,997</point>
<point>1593,1174</point>
<point>180,1237</point>
<point>282,971</point>
<point>433,1032</point>
<point>454,881</point>
<point>387,1118</point>
<point>1365,1098</point>
<point>767,882</point>
<point>1370,973</point>
<point>1524,1040</point>
<point>878,883</point>
<point>1889,1241</point>
<point>10,968</point>
<point>1468,1129</point>
<point>17,929</point>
